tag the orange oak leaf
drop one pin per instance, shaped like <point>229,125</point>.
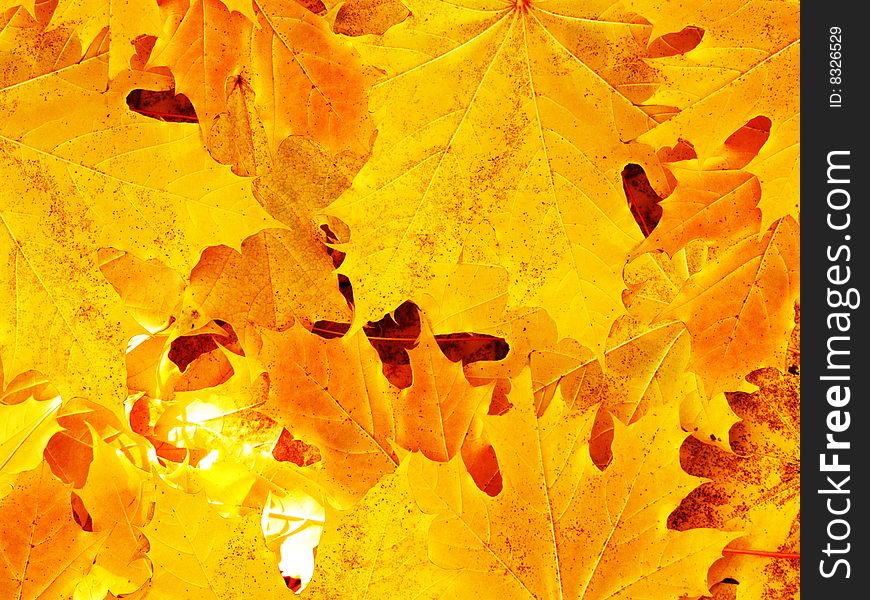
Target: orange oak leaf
<point>739,308</point>
<point>434,414</point>
<point>306,81</point>
<point>332,394</point>
<point>46,552</point>
<point>754,488</point>
<point>729,63</point>
<point>717,206</point>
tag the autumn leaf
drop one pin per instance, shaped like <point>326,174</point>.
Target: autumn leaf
<point>716,206</point>
<point>124,20</point>
<point>754,488</point>
<point>755,283</point>
<point>578,524</point>
<point>50,248</point>
<point>386,299</point>
<point>25,428</point>
<point>45,550</point>
<point>287,54</point>
<point>199,554</point>
<point>734,62</point>
<point>280,276</point>
<point>398,532</point>
<point>508,147</point>
<point>118,496</point>
<point>332,394</point>
<point>433,415</point>
<point>362,17</point>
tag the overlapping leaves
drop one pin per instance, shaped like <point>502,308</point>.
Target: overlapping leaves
<point>208,324</point>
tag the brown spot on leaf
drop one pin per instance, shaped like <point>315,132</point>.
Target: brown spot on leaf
<point>678,42</point>
<point>185,349</point>
<point>289,449</point>
<point>163,105</point>
<point>472,347</point>
<point>642,199</point>
<point>80,514</point>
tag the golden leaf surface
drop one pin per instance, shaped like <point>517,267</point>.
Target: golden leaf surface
<point>92,176</point>
<point>280,276</point>
<point>45,550</point>
<point>388,299</point>
<point>558,529</point>
<point>125,20</point>
<point>509,147</point>
<point>331,393</point>
<point>736,62</point>
<point>754,488</point>
<point>198,554</point>
<point>288,54</point>
<point>739,309</point>
<point>25,428</point>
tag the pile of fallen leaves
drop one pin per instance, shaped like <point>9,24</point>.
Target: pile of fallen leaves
<point>399,299</point>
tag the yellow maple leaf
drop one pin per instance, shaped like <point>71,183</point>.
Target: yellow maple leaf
<point>73,176</point>
<point>512,145</point>
<point>737,74</point>
<point>200,555</point>
<point>559,528</point>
